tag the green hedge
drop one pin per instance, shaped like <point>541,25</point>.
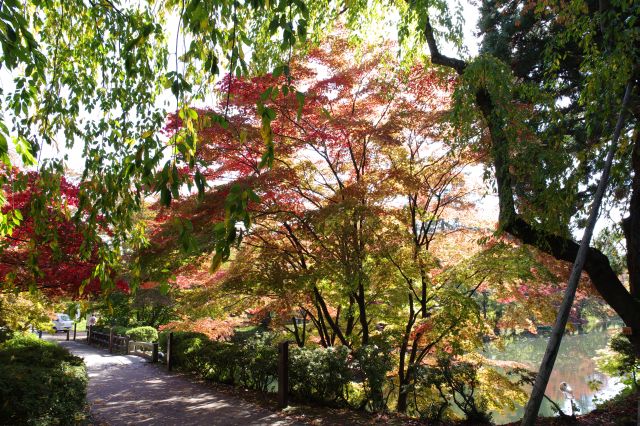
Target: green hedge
<point>143,334</point>
<point>320,374</point>
<point>118,330</point>
<point>328,375</point>
<point>41,383</point>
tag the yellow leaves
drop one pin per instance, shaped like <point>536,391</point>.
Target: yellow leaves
<point>18,311</point>
<point>510,395</point>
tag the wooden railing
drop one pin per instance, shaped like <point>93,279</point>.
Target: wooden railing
<point>108,340</point>
<point>146,350</point>
<point>124,344</point>
<point>97,337</point>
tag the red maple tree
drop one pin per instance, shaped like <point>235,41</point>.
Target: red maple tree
<point>50,252</point>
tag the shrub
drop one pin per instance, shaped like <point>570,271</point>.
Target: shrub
<point>162,340</point>
<point>252,364</point>
<point>118,330</point>
<point>41,383</point>
<point>373,362</point>
<point>619,359</point>
<point>143,334</point>
<point>258,362</point>
<point>218,361</point>
<point>186,347</point>
<point>317,374</point>
<point>320,374</point>
<point>456,381</point>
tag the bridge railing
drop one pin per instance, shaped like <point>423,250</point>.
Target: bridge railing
<point>110,340</point>
<point>123,344</point>
<point>148,350</point>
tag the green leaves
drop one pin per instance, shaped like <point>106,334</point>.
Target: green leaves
<point>267,115</point>
<point>237,219</point>
<point>24,149</point>
<point>168,183</point>
<point>201,184</point>
<point>4,146</point>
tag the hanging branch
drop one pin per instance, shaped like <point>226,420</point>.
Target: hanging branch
<point>553,346</point>
<point>231,63</point>
<point>178,92</point>
<point>597,265</point>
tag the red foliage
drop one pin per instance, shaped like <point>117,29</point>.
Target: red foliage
<point>353,110</point>
<point>50,251</point>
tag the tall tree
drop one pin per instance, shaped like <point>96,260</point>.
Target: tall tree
<point>516,115</point>
<point>363,183</point>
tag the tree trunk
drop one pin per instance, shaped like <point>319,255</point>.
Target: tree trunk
<point>362,308</point>
<point>542,378</point>
<point>402,374</point>
<point>631,224</point>
<point>403,397</point>
<point>335,327</point>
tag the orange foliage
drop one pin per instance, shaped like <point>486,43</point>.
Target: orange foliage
<point>214,329</point>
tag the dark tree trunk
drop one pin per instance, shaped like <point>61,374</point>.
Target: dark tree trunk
<point>631,224</point>
<point>553,346</point>
<point>402,374</point>
<point>362,308</point>
<point>423,296</point>
<point>406,368</point>
<point>335,327</point>
<point>350,317</point>
<point>597,264</point>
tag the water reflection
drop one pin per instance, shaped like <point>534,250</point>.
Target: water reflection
<point>574,365</point>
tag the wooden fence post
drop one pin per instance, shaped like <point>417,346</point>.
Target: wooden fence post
<point>110,340</point>
<point>283,374</point>
<point>126,343</point>
<point>75,325</point>
<point>67,334</point>
<point>154,356</point>
<point>169,348</point>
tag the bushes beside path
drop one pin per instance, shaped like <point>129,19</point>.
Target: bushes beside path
<point>41,383</point>
<point>331,376</point>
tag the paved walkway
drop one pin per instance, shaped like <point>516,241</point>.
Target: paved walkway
<point>125,390</point>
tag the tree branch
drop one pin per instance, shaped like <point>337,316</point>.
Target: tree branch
<point>436,57</point>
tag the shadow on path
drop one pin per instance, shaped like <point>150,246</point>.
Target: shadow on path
<point>126,390</point>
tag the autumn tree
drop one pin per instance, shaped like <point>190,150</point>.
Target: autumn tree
<point>321,196</point>
<point>46,249</point>
<point>342,234</point>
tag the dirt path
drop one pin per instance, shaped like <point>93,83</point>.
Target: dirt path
<point>125,390</point>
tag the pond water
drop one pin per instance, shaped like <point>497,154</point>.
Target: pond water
<point>574,365</point>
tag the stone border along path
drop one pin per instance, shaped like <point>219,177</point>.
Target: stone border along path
<point>128,390</point>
